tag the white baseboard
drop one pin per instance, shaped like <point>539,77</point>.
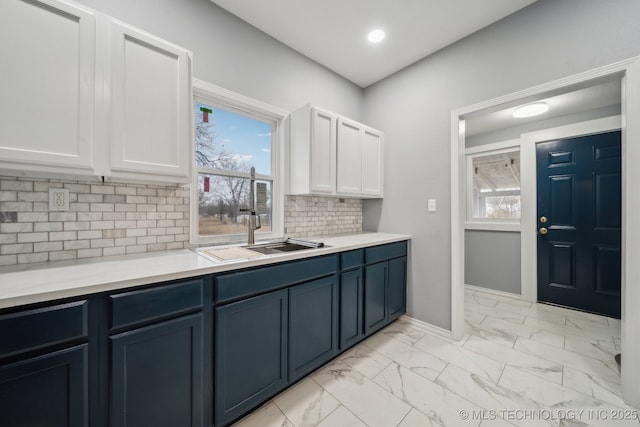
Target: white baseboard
<point>427,327</point>
<point>494,292</point>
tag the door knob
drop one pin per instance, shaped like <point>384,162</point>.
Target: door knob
<point>543,230</point>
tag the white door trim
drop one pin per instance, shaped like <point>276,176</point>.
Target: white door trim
<point>629,71</point>
<point>528,192</point>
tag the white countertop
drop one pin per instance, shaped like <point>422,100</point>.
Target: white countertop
<point>31,283</point>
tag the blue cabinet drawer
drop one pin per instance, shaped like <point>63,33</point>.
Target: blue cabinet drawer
<point>142,305</point>
<point>385,252</point>
<point>30,330</point>
<point>351,259</point>
<point>246,283</point>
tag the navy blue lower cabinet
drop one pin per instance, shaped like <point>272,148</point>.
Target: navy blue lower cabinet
<point>351,308</point>
<point>50,390</point>
<point>250,353</point>
<point>313,325</point>
<point>157,375</point>
<point>376,314</point>
<point>397,288</point>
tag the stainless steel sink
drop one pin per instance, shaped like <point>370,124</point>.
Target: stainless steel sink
<point>277,248</point>
<point>238,253</point>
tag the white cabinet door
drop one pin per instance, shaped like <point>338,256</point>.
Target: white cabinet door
<point>47,86</point>
<point>323,151</point>
<point>372,167</point>
<point>150,107</point>
<point>349,157</point>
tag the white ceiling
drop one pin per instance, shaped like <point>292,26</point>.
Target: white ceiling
<point>572,101</point>
<point>334,32</point>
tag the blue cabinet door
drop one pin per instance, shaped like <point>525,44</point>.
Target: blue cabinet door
<point>313,325</point>
<point>375,297</point>
<point>397,288</point>
<point>250,353</point>
<point>46,391</point>
<point>157,375</point>
<point>351,308</point>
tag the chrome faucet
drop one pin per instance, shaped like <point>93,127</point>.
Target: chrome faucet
<point>252,211</point>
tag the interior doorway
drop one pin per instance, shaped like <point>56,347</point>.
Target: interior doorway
<point>628,72</point>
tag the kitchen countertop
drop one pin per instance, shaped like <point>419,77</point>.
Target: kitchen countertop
<point>31,283</point>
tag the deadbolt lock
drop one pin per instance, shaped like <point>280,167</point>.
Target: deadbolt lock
<point>543,230</point>
<point>543,219</point>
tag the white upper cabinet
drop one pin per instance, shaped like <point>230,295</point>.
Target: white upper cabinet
<point>150,106</point>
<point>84,95</point>
<point>372,164</point>
<point>333,155</point>
<point>47,86</point>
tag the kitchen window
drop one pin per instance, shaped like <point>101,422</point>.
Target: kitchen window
<point>232,134</point>
<point>493,186</point>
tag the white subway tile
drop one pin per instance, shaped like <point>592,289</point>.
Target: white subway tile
<point>19,248</point>
<point>136,249</point>
<point>47,246</point>
<point>101,207</point>
<point>77,244</point>
<point>102,243</point>
<point>16,227</point>
<point>102,189</point>
<point>47,226</point>
<point>145,240</point>
<point>89,253</point>
<point>8,196</point>
<point>63,216</point>
<point>16,185</point>
<point>62,255</point>
<point>90,216</point>
<point>102,225</point>
<point>62,235</point>
<point>8,259</point>
<point>77,225</point>
<point>117,250</point>
<point>8,238</point>
<point>93,234</point>
<point>136,232</point>
<point>29,258</point>
<point>33,237</point>
<point>90,198</point>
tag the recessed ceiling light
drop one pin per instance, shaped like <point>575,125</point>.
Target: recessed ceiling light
<point>376,36</point>
<point>530,110</point>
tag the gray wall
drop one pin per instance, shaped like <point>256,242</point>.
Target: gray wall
<point>497,268</point>
<point>230,53</point>
<point>545,41</point>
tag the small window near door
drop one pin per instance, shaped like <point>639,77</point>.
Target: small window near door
<point>494,186</point>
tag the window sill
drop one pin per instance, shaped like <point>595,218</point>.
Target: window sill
<point>493,226</point>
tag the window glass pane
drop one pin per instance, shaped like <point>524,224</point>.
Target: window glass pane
<point>230,141</point>
<point>496,185</point>
<point>220,200</point>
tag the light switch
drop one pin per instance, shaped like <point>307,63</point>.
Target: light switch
<point>432,205</point>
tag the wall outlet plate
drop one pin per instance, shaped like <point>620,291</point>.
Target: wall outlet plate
<point>58,199</point>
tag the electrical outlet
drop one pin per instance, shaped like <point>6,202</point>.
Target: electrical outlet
<point>58,199</point>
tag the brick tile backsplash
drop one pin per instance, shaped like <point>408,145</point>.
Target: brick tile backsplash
<point>321,216</point>
<point>102,220</point>
<point>117,219</point>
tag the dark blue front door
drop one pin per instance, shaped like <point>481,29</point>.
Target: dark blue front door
<point>579,222</point>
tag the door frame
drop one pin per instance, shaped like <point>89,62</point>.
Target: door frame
<point>629,73</point>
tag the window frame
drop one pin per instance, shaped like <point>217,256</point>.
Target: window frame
<point>224,99</point>
<point>490,224</point>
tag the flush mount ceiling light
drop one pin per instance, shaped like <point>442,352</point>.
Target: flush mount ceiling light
<point>530,110</point>
<point>376,36</point>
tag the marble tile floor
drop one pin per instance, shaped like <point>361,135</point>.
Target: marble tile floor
<point>518,364</point>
